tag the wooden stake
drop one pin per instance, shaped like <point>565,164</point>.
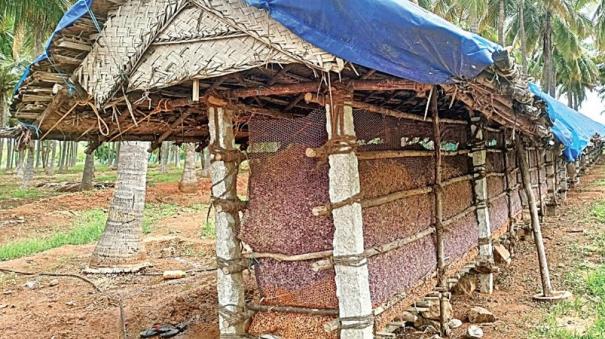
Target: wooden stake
<point>438,191</point>
<point>195,96</point>
<point>535,220</point>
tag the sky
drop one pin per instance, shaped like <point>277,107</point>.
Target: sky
<point>593,107</point>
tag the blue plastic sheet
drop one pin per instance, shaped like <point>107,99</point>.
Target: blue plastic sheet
<point>73,14</point>
<point>391,36</point>
<point>572,128</point>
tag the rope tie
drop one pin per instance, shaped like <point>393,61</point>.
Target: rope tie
<point>228,205</point>
<point>357,322</point>
<point>350,260</point>
<point>230,266</point>
<point>232,314</point>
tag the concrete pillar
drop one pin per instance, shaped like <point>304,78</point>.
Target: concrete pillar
<point>352,281</point>
<point>230,284</point>
<point>479,155</point>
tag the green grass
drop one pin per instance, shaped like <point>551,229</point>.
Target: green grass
<point>598,211</point>
<point>88,228</point>
<point>587,282</point>
<point>14,191</point>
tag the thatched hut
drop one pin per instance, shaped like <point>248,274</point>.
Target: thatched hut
<point>368,190</point>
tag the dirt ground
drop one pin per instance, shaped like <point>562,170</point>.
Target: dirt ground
<point>65,307</point>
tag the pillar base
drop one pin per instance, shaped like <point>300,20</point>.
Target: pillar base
<point>556,296</point>
<point>486,283</point>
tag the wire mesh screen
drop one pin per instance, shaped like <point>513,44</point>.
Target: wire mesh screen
<point>285,185</point>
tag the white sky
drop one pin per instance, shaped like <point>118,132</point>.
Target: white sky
<point>593,107</point>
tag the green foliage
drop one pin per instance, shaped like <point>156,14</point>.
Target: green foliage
<point>13,191</point>
<point>87,228</point>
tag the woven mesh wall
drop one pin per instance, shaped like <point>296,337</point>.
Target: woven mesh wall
<point>285,185</point>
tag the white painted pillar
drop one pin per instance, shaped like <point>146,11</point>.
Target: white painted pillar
<point>230,283</point>
<point>352,281</point>
<point>479,155</point>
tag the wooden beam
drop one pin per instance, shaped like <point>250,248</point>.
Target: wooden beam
<point>388,85</point>
<point>166,134</point>
<point>321,100</point>
<point>274,90</point>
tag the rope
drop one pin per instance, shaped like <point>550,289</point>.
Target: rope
<point>350,260</point>
<point>232,314</point>
<point>357,322</point>
<point>230,266</point>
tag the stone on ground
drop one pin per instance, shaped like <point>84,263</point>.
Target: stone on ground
<point>474,332</point>
<point>466,285</point>
<point>501,254</point>
<point>480,315</point>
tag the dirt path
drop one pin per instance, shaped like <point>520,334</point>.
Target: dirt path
<point>69,308</point>
<point>517,313</point>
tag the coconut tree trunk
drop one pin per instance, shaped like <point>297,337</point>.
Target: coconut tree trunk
<point>62,156</point>
<point>50,166</point>
<point>20,158</point>
<point>205,162</point>
<point>523,37</point>
<point>188,183</point>
<point>120,248</point>
<point>177,156</point>
<point>501,18</point>
<point>547,69</point>
<point>28,165</point>
<point>38,153</point>
<point>9,154</point>
<point>164,157</point>
<point>1,150</point>
<point>89,172</point>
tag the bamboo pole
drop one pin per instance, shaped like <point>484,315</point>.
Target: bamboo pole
<point>438,191</point>
<point>535,220</point>
<point>540,195</point>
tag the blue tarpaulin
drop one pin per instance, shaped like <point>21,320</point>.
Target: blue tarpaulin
<point>73,14</point>
<point>572,128</point>
<point>391,36</point>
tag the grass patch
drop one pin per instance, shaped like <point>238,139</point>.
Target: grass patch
<point>88,228</point>
<point>14,191</point>
<point>587,282</point>
<point>598,211</point>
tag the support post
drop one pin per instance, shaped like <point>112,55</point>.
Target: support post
<point>547,291</point>
<point>551,182</point>
<point>507,186</point>
<point>438,191</point>
<point>479,156</point>
<point>350,265</point>
<point>572,178</point>
<point>230,285</point>
<point>539,166</point>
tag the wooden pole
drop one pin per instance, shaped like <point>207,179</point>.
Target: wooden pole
<point>535,219</point>
<point>350,265</point>
<point>230,284</point>
<point>438,192</point>
<point>479,156</point>
<point>539,164</point>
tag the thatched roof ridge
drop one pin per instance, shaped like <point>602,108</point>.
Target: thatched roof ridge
<point>140,69</point>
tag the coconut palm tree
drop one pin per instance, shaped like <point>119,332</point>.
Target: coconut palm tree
<point>89,169</point>
<point>120,248</point>
<point>188,183</point>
